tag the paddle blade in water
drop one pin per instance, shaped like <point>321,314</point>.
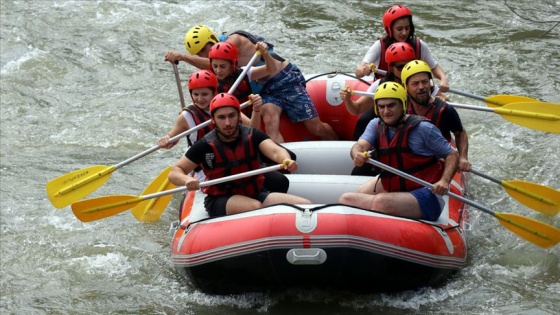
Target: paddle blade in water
<point>535,196</point>
<point>150,210</point>
<point>536,232</point>
<point>501,100</point>
<point>539,116</point>
<point>67,189</point>
<point>103,207</point>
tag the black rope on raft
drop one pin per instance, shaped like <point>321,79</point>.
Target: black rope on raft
<point>334,73</point>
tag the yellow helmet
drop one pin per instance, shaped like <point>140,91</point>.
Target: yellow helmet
<point>197,37</point>
<point>414,67</point>
<point>390,90</point>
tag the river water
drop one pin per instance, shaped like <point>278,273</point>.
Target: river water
<point>84,83</point>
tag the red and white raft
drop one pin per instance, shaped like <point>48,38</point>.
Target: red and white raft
<point>324,245</point>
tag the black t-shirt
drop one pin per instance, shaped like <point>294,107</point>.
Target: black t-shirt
<point>197,152</point>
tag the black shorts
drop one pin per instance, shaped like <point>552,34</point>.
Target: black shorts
<point>216,205</point>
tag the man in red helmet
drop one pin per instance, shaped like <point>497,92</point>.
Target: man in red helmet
<point>229,149</point>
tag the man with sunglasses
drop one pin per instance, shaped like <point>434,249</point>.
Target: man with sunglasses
<point>418,81</point>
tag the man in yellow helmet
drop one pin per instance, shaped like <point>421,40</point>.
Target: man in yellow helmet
<point>408,143</point>
<point>417,79</point>
<point>283,90</point>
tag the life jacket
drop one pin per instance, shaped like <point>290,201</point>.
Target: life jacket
<point>385,42</point>
<point>397,154</point>
<point>228,161</point>
<point>199,115</point>
<point>434,114</point>
<point>242,91</point>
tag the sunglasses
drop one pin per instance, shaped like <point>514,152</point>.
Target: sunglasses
<point>400,67</point>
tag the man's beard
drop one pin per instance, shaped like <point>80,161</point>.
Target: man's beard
<point>423,100</point>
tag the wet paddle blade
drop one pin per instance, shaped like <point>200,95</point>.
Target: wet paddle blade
<point>69,188</point>
<point>535,196</point>
<point>502,99</point>
<point>539,116</point>
<point>536,232</point>
<point>150,210</point>
<point>103,207</point>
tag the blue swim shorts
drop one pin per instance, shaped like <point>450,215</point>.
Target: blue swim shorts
<point>431,204</point>
<point>287,91</point>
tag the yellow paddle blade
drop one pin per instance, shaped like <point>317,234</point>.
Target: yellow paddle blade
<point>536,232</point>
<point>535,196</point>
<point>539,116</point>
<point>103,207</point>
<point>69,188</point>
<point>503,99</point>
<point>150,210</point>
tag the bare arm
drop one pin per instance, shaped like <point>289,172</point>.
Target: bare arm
<point>179,174</point>
<point>358,106</point>
<point>270,67</point>
<point>443,81</point>
<point>462,141</point>
<point>363,69</point>
<point>199,62</point>
<point>180,126</point>
<point>451,162</point>
<point>277,154</point>
<point>257,103</point>
<point>357,152</point>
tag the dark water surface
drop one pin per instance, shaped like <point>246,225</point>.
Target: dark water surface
<point>84,83</point>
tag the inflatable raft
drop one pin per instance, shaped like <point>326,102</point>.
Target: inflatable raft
<point>325,244</point>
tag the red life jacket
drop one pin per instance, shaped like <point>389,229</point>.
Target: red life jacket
<point>199,115</point>
<point>228,161</point>
<point>242,91</point>
<point>397,154</point>
<point>414,42</point>
<point>434,115</point>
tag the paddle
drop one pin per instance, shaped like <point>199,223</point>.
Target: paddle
<point>151,210</point>
<point>179,87</point>
<point>71,187</point>
<point>103,207</point>
<point>244,72</point>
<point>536,232</point>
<point>497,100</point>
<point>535,115</point>
<point>539,197</point>
<point>491,101</point>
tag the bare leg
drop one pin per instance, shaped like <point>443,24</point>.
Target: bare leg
<point>399,203</point>
<point>320,129</point>
<point>271,118</point>
<point>239,203</point>
<point>275,198</point>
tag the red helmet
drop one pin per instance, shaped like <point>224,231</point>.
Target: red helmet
<point>223,100</point>
<point>394,13</point>
<point>224,50</point>
<point>203,79</point>
<point>398,52</point>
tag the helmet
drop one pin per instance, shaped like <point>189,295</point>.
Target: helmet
<point>203,79</point>
<point>414,67</point>
<point>197,37</point>
<point>394,13</point>
<point>223,100</point>
<point>390,90</point>
<point>225,50</point>
<point>399,52</point>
